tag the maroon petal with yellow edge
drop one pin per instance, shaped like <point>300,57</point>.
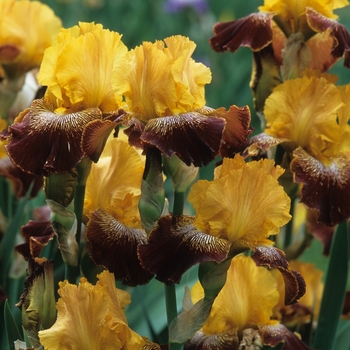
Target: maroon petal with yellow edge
<point>254,31</point>
<point>174,247</point>
<point>222,341</point>
<point>236,131</point>
<point>325,187</point>
<point>19,179</point>
<point>42,142</point>
<point>193,137</point>
<point>274,258</point>
<point>341,43</point>
<point>272,335</point>
<point>114,246</point>
<point>319,230</point>
<point>36,235</point>
<point>95,135</point>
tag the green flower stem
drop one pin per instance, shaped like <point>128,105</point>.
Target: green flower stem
<point>179,201</point>
<point>72,272</point>
<point>288,239</point>
<point>170,291</point>
<point>334,289</point>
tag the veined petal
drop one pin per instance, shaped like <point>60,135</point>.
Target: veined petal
<point>162,81</point>
<point>254,31</point>
<point>82,67</point>
<point>114,183</point>
<point>275,334</point>
<point>114,246</point>
<point>193,137</point>
<point>91,317</point>
<point>42,142</point>
<point>173,248</point>
<point>325,186</point>
<point>275,258</point>
<point>247,215</point>
<point>304,110</point>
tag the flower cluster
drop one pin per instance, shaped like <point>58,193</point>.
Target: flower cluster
<point>112,150</point>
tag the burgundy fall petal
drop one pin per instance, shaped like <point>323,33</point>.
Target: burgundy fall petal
<point>271,257</point>
<point>42,142</point>
<point>114,246</point>
<point>325,188</point>
<point>173,248</point>
<point>254,31</point>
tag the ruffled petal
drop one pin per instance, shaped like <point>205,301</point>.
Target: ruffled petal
<point>248,214</point>
<point>173,248</point>
<point>42,142</point>
<point>341,37</point>
<point>91,317</point>
<point>254,31</point>
<point>193,137</point>
<point>275,258</point>
<point>273,335</point>
<point>325,186</point>
<point>114,246</point>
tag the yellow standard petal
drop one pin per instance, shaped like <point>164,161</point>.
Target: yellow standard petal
<point>28,41</point>
<point>162,81</point>
<point>294,9</point>
<point>246,300</point>
<point>243,204</point>
<point>305,110</point>
<point>78,68</point>
<point>91,317</point>
<point>114,183</point>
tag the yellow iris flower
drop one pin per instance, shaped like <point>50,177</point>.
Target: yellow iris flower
<point>293,10</point>
<point>162,81</point>
<point>22,46</point>
<point>77,69</point>
<point>254,207</point>
<point>91,317</point>
<point>310,112</point>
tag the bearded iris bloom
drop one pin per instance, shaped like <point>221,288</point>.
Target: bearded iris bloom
<point>309,117</point>
<point>239,210</point>
<point>91,316</point>
<point>114,228</point>
<point>76,71</point>
<point>164,90</point>
<point>241,314</point>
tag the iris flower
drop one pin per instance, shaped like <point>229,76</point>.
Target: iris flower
<point>286,36</point>
<point>241,315</point>
<point>22,46</point>
<point>164,90</point>
<point>91,317</point>
<point>310,115</point>
<point>46,137</point>
<point>114,227</point>
<point>239,210</point>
